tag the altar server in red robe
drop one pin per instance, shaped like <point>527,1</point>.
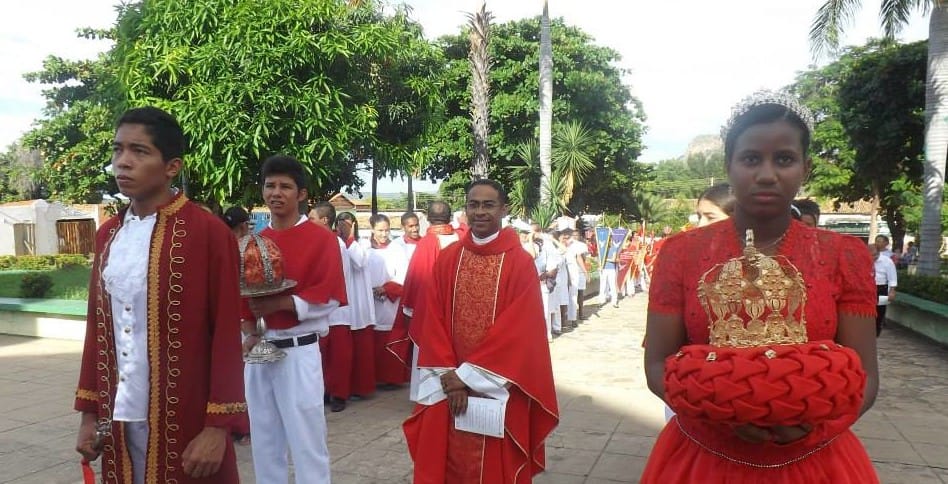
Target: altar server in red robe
<point>407,325</point>
<point>361,306</point>
<point>387,265</point>
<point>285,398</point>
<point>161,363</point>
<point>412,234</point>
<point>483,336</point>
<point>336,347</point>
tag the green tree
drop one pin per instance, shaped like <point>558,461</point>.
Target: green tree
<point>74,136</point>
<point>688,176</point>
<point>869,138</point>
<point>407,91</point>
<point>570,165</point>
<point>20,174</point>
<point>831,18</point>
<point>298,80</point>
<point>589,89</point>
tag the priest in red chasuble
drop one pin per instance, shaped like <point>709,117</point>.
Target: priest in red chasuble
<point>161,366</point>
<point>483,347</point>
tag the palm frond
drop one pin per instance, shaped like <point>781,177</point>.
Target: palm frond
<point>543,215</point>
<point>895,14</point>
<point>651,207</point>
<point>831,19</point>
<point>556,184</point>
<point>572,143</point>
<point>529,155</point>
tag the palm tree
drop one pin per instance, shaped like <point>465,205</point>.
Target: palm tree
<point>824,33</point>
<point>571,157</point>
<point>480,87</point>
<point>650,207</point>
<point>546,104</point>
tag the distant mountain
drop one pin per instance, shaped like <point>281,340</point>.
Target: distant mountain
<point>704,144</point>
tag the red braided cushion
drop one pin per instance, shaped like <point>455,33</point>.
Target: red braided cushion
<point>810,383</point>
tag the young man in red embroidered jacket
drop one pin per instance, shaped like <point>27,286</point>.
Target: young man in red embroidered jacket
<point>285,398</point>
<point>483,336</point>
<point>161,363</point>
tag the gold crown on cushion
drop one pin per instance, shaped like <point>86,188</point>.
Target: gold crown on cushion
<point>261,266</point>
<point>766,292</point>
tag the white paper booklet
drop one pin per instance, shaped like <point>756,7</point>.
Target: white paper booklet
<point>484,416</point>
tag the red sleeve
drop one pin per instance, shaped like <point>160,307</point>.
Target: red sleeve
<point>393,290</point>
<point>856,278</point>
<point>88,389</point>
<point>666,291</point>
<point>225,404</point>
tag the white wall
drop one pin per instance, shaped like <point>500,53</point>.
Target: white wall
<point>7,240</point>
<point>45,217</point>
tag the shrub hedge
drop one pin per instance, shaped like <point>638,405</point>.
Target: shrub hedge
<point>35,285</point>
<point>42,262</point>
<point>933,288</point>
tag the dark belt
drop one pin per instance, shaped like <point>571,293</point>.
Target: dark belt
<point>296,341</point>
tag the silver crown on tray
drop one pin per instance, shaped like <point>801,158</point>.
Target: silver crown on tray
<point>261,274</point>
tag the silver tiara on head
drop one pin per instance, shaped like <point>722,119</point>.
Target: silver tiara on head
<point>764,97</point>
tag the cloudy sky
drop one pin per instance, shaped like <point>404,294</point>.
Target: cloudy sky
<point>689,60</point>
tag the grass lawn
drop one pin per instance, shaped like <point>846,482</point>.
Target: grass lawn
<point>70,283</point>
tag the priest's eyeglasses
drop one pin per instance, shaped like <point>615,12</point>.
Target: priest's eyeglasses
<point>475,205</point>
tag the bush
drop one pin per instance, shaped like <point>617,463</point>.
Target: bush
<point>42,262</point>
<point>35,286</point>
<point>933,288</point>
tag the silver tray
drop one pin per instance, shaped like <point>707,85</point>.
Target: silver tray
<point>260,291</point>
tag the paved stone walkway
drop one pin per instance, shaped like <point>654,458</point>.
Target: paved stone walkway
<point>608,418</point>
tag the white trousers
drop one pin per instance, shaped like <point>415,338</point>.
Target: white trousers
<point>413,383</point>
<point>573,306</point>
<point>285,402</point>
<point>136,440</point>
<point>552,312</point>
<point>607,287</point>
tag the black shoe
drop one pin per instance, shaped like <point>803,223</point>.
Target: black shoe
<point>337,405</point>
<point>388,387</point>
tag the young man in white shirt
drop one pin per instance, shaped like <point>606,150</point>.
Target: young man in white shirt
<point>886,282</point>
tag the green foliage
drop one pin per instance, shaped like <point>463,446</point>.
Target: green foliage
<point>407,92</point>
<point>869,136</point>
<point>331,83</point>
<point>298,81</point>
<point>933,288</point>
<point>544,215</point>
<point>650,208</point>
<point>687,177</point>
<point>42,262</point>
<point>20,174</point>
<point>75,135</point>
<point>35,285</point>
<point>453,189</point>
<point>587,88</point>
<point>68,283</point>
<point>571,145</point>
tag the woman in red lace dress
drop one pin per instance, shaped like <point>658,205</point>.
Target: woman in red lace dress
<point>766,144</point>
